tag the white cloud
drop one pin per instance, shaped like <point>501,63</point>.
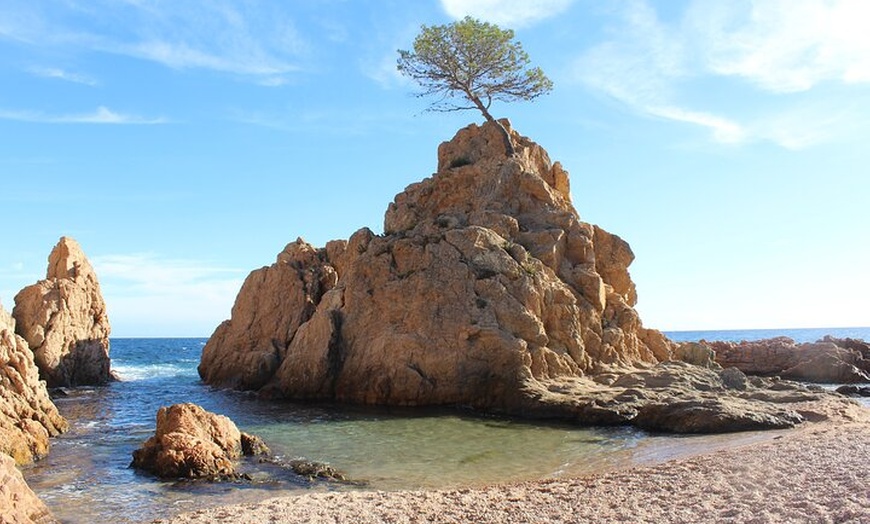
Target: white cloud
<point>508,13</point>
<point>778,46</point>
<point>102,115</point>
<point>147,295</point>
<point>60,74</point>
<point>724,130</point>
<point>252,39</point>
<point>384,71</point>
<point>785,45</point>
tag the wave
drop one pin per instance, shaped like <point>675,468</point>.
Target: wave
<point>134,372</point>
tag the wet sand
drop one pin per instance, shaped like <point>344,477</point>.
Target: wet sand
<point>817,473</point>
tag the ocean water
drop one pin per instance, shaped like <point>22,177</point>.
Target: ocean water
<point>799,335</point>
<point>86,477</point>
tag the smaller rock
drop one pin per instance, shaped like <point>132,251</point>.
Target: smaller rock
<point>697,353</point>
<point>316,470</point>
<point>733,378</point>
<point>191,442</point>
<point>854,391</point>
<point>253,445</point>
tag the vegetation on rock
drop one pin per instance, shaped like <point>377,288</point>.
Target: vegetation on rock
<point>476,61</point>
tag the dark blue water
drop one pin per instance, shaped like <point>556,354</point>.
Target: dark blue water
<point>86,477</point>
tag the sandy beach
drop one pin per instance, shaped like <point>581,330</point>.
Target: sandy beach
<point>814,474</point>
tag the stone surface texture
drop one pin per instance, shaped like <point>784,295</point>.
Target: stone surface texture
<point>190,442</point>
<point>18,503</point>
<point>830,360</point>
<point>486,290</point>
<point>63,319</point>
<point>28,417</point>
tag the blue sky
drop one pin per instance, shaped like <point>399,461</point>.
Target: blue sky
<point>183,144</point>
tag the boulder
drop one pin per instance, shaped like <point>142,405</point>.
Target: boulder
<point>28,417</point>
<point>18,503</point>
<point>828,360</point>
<point>851,390</point>
<point>63,319</point>
<point>192,443</point>
<point>696,353</point>
<point>485,290</point>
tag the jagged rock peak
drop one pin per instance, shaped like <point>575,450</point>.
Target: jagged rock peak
<point>68,261</point>
<point>63,318</point>
<point>476,179</point>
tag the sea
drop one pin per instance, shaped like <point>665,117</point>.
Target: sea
<point>87,476</point>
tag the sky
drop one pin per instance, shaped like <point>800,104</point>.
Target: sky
<point>184,144</point>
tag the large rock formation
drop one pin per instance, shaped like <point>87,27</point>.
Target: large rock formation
<point>828,360</point>
<point>190,442</point>
<point>27,415</point>
<point>485,290</point>
<point>63,319</point>
<point>484,279</point>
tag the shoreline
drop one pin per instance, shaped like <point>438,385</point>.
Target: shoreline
<point>813,473</point>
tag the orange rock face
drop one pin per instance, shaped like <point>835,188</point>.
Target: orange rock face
<point>63,319</point>
<point>18,503</point>
<point>27,415</point>
<point>190,442</point>
<point>484,285</point>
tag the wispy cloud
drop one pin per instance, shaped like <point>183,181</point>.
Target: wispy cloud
<point>102,115</point>
<point>508,13</point>
<point>253,39</point>
<point>166,295</point>
<point>60,74</point>
<point>784,45</point>
<point>775,46</point>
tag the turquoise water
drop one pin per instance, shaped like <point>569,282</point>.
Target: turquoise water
<point>86,477</point>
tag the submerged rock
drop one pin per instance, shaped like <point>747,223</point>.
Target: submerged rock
<point>486,290</point>
<point>192,443</point>
<point>28,417</point>
<point>63,319</point>
<point>829,360</point>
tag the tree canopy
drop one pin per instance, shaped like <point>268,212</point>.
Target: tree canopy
<point>475,62</point>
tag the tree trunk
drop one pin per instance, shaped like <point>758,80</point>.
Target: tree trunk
<point>506,137</point>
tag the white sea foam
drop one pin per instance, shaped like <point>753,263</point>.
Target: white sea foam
<point>150,371</point>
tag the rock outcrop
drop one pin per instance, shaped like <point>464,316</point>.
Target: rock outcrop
<point>63,319</point>
<point>28,417</point>
<point>828,360</point>
<point>18,503</point>
<point>192,443</point>
<point>485,290</point>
